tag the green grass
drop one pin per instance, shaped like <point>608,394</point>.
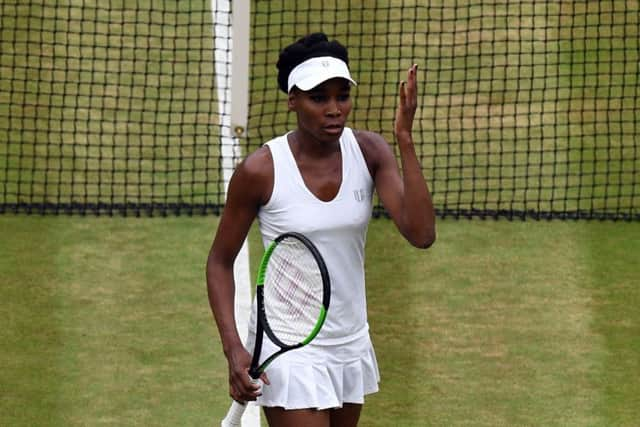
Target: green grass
<point>106,322</point>
<point>507,324</point>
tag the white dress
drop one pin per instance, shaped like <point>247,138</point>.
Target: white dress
<point>339,365</point>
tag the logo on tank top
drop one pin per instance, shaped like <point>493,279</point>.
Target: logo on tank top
<point>360,195</point>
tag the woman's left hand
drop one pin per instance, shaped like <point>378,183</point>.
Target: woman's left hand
<point>408,104</point>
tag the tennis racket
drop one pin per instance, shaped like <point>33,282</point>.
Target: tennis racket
<point>292,296</point>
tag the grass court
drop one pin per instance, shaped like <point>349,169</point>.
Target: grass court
<point>105,320</point>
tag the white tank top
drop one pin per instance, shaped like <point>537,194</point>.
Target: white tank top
<point>337,227</point>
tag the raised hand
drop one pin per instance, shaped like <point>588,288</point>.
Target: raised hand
<point>407,105</point>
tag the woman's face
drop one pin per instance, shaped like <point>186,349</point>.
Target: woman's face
<point>322,111</point>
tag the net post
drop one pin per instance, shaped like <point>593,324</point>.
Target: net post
<point>240,24</point>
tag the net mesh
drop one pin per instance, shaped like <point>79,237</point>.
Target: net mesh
<point>292,292</point>
<point>528,109</point>
<point>108,107</point>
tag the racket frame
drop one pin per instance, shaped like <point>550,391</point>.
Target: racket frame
<point>234,415</point>
<point>263,327</point>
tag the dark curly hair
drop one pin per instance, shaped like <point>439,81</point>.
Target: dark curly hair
<point>311,46</point>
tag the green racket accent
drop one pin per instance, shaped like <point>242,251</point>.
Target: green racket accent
<point>312,335</point>
<point>275,261</point>
<point>317,327</point>
<point>267,362</point>
<point>263,263</point>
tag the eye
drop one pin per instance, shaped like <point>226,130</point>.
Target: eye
<point>344,97</point>
<point>319,98</point>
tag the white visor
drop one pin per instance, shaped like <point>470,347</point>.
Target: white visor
<point>314,71</point>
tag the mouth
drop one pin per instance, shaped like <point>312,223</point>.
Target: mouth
<point>333,128</point>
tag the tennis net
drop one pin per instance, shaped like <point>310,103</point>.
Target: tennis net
<point>528,109</point>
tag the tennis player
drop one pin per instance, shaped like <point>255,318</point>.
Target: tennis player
<point>318,179</point>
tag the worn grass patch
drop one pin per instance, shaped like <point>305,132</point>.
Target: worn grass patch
<point>106,322</point>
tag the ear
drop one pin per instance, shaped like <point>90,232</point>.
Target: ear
<point>291,100</point>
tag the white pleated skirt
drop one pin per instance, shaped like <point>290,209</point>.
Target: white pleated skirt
<point>319,376</point>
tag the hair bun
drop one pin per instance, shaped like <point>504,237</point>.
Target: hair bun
<point>314,38</point>
<point>310,46</point>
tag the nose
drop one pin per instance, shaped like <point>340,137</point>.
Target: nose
<point>333,109</point>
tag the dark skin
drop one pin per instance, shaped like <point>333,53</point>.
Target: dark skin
<point>322,113</point>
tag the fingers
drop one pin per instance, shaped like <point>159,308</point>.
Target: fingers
<point>408,102</point>
<point>411,87</point>
<point>250,389</point>
<point>245,389</point>
<point>412,73</point>
<point>408,89</point>
<point>264,378</point>
<point>402,104</point>
<point>241,386</point>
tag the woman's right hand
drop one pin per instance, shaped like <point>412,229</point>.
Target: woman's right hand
<point>241,387</point>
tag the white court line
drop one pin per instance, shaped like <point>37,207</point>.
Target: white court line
<point>230,154</point>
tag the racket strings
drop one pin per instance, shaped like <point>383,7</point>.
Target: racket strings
<point>293,292</point>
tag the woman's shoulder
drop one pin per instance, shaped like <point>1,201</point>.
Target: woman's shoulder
<point>373,146</point>
<point>258,162</point>
<point>369,140</point>
<point>254,174</point>
<point>367,136</point>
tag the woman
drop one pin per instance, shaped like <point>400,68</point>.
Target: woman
<point>319,180</point>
